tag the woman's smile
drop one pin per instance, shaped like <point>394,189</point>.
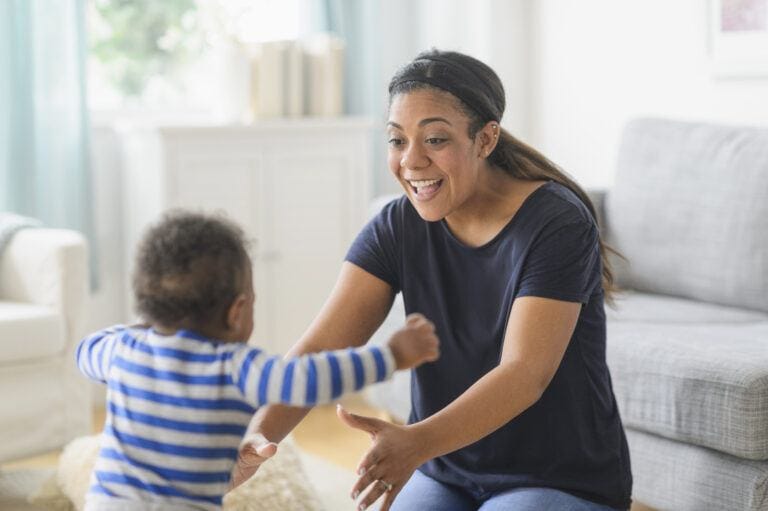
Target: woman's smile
<point>425,189</point>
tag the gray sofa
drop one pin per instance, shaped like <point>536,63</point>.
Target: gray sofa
<point>688,338</point>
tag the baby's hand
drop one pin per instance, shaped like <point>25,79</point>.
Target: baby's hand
<point>415,343</point>
<point>254,450</point>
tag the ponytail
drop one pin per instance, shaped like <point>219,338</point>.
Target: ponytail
<point>522,161</point>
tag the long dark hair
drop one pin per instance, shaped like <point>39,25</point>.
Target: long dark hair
<point>480,95</point>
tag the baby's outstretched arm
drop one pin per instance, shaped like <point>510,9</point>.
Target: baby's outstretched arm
<point>320,378</point>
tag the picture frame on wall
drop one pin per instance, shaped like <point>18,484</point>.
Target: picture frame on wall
<point>739,38</point>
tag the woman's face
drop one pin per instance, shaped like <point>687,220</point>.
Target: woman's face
<point>430,152</point>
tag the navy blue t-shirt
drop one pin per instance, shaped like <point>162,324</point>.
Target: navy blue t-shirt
<point>572,438</point>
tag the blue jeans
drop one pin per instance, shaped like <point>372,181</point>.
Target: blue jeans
<point>422,493</point>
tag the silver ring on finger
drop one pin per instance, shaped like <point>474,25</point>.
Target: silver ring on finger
<point>387,486</point>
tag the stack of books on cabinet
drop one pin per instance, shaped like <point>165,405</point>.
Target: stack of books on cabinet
<point>297,78</point>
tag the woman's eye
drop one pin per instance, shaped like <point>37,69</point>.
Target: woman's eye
<point>435,140</point>
<point>395,142</point>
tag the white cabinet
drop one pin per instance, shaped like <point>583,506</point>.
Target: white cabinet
<point>299,189</point>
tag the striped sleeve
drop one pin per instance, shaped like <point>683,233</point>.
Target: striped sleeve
<point>94,353</point>
<point>311,379</point>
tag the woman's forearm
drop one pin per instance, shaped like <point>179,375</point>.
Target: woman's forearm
<point>495,399</point>
<point>276,421</point>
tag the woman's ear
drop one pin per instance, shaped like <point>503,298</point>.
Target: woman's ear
<point>488,136</point>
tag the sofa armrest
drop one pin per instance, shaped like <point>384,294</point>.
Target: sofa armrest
<point>598,196</point>
<point>48,267</point>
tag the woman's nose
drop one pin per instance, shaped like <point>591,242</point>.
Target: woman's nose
<point>414,158</point>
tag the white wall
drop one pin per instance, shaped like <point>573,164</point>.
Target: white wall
<point>598,63</point>
<point>494,31</point>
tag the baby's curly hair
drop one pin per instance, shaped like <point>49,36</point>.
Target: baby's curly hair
<point>189,269</point>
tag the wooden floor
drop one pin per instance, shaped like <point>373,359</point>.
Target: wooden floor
<point>323,434</point>
<point>50,459</point>
<point>320,433</point>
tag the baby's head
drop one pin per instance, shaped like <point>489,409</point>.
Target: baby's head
<point>193,272</point>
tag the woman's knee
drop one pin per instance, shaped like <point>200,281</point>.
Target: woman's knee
<point>422,493</point>
<point>535,499</point>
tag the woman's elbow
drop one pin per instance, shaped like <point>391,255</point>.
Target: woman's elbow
<point>532,381</point>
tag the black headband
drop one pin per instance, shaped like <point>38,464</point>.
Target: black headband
<point>465,85</point>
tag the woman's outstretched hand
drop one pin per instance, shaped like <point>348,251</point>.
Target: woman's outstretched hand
<point>388,464</point>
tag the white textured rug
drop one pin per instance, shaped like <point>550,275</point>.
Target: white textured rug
<point>17,485</point>
<point>331,483</point>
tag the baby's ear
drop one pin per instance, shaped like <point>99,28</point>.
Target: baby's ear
<point>235,311</point>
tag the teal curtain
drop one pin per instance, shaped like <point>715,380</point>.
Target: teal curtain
<point>44,154</point>
<point>380,35</point>
<point>358,23</point>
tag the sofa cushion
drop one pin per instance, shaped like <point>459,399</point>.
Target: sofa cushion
<point>689,210</point>
<point>706,384</point>
<point>645,307</point>
<point>684,477</point>
<point>29,331</point>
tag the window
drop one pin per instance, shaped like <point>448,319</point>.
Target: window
<point>149,54</point>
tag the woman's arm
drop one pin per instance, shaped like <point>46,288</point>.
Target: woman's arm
<point>538,332</point>
<point>356,307</point>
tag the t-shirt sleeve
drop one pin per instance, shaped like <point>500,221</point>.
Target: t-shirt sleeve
<point>375,249</point>
<point>563,263</point>
<point>94,353</point>
<point>308,380</point>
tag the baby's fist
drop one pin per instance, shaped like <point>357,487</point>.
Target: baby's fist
<point>415,343</point>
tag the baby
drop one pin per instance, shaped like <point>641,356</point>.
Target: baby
<point>182,389</point>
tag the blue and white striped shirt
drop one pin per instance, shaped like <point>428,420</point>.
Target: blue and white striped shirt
<point>178,406</point>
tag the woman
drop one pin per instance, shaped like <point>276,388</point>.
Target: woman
<point>501,251</point>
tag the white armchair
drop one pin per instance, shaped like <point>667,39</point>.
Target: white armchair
<point>44,402</point>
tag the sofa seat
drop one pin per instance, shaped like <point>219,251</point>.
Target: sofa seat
<point>29,331</point>
<point>676,475</point>
<point>703,383</point>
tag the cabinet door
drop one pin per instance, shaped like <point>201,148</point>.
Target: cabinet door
<point>217,184</point>
<point>313,211</point>
<point>216,181</point>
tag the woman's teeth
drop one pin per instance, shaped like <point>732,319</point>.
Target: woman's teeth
<point>424,182</point>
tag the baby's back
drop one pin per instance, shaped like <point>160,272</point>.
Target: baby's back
<point>174,421</point>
